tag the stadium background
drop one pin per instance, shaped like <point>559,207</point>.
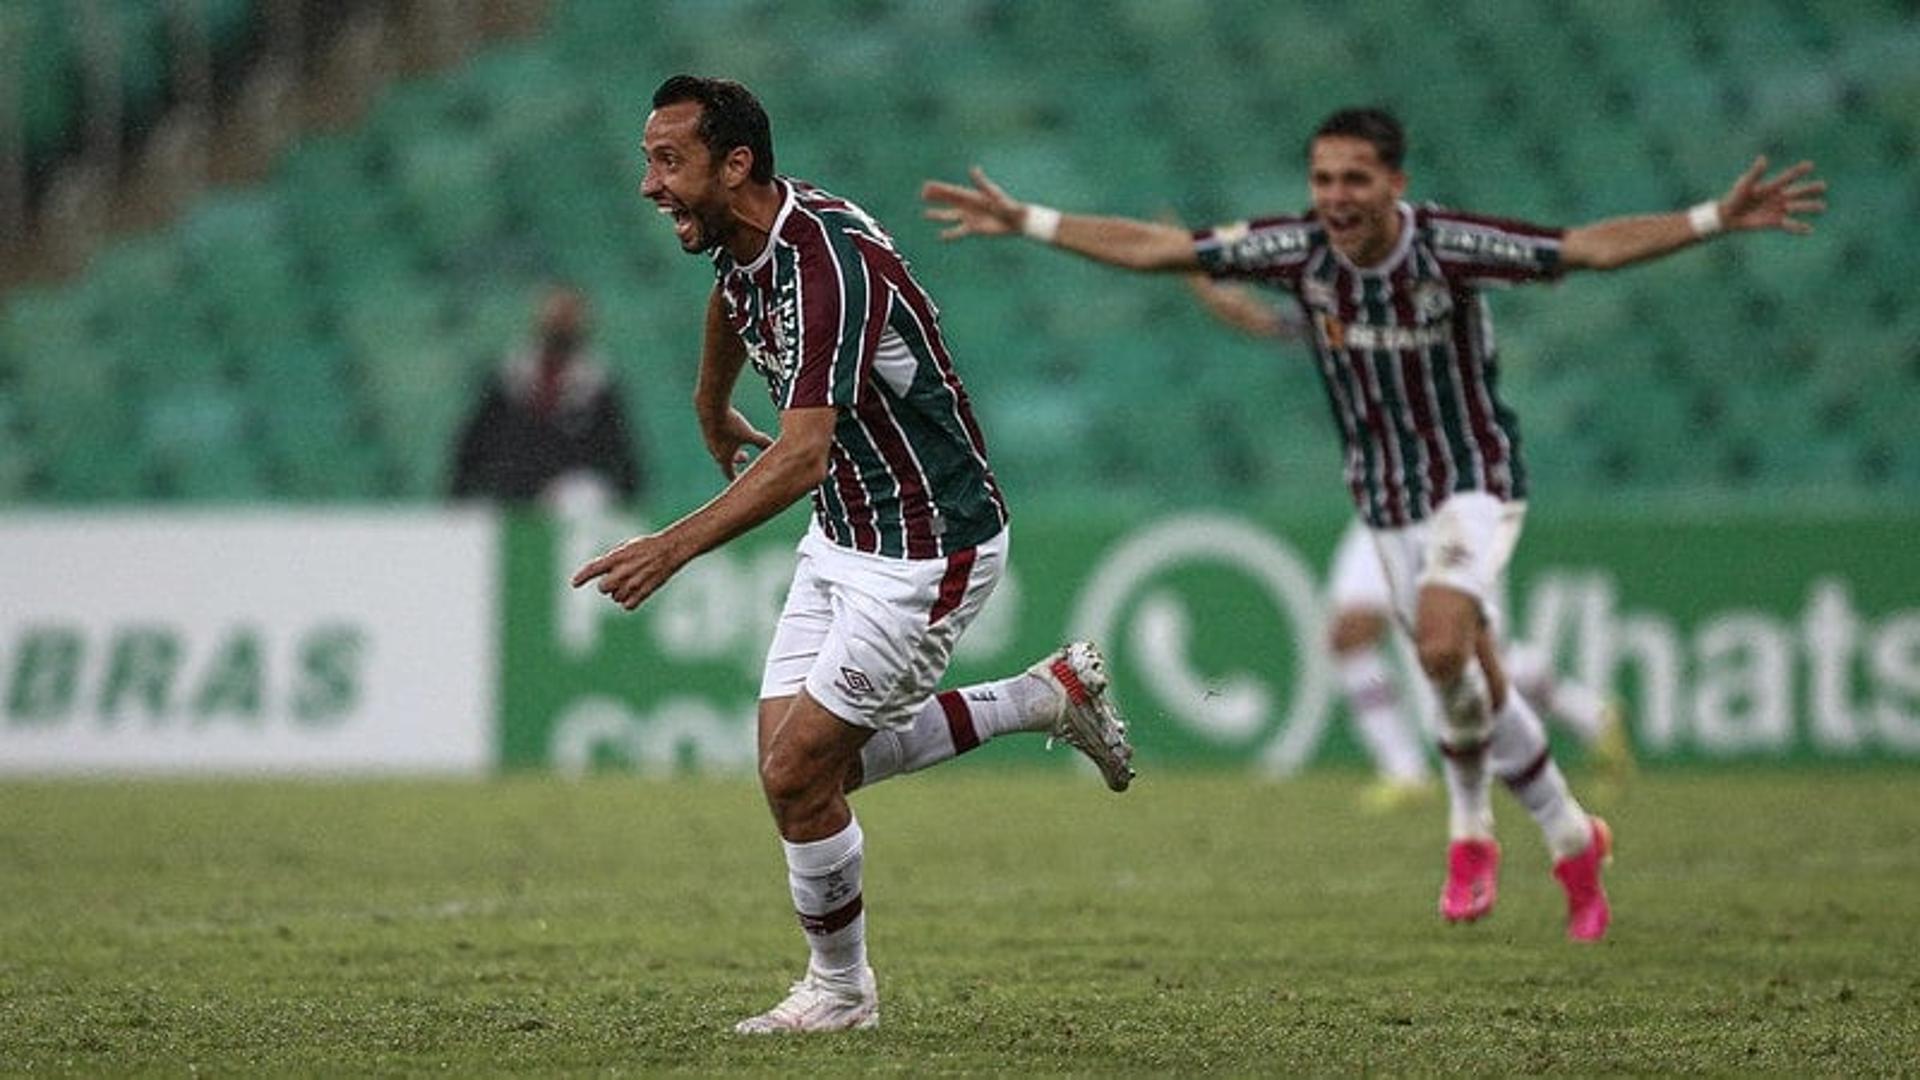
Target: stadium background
<point>260,256</point>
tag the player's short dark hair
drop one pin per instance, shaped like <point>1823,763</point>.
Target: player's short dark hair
<point>1376,125</point>
<point>730,116</point>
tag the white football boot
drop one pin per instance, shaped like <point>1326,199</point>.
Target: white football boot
<point>814,1004</point>
<point>1088,721</point>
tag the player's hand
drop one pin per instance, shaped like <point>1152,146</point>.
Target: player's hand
<point>634,570</point>
<point>727,439</point>
<point>980,210</point>
<point>1759,202</point>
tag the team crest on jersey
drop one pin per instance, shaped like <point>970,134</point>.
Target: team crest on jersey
<point>1333,330</point>
<point>1432,301</point>
<point>771,351</point>
<point>764,360</point>
<point>783,324</point>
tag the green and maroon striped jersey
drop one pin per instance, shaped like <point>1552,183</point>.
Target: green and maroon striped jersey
<point>1405,348</point>
<point>831,315</point>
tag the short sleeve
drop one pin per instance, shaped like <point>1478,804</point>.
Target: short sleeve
<point>1479,250</point>
<point>1270,249</point>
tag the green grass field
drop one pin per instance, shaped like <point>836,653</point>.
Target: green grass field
<point>1020,922</point>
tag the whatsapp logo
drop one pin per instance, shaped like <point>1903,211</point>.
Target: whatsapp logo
<point>1214,624</point>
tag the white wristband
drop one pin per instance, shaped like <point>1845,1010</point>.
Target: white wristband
<point>1705,219</point>
<point>1042,223</point>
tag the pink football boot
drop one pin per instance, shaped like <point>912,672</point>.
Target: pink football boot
<point>1587,910</point>
<point>1473,878</point>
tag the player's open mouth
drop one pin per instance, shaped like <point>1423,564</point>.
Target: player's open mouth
<point>682,220</point>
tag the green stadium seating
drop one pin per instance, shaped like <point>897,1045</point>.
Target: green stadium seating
<point>319,337</point>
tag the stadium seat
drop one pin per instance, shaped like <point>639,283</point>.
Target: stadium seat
<point>381,270</point>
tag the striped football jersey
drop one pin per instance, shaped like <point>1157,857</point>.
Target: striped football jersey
<point>1406,348</point>
<point>831,315</point>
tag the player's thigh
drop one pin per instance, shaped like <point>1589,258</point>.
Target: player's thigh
<point>894,628</point>
<point>805,620</point>
<point>1447,627</point>
<point>772,712</point>
<point>1466,546</point>
<point>1357,578</point>
<point>1399,552</point>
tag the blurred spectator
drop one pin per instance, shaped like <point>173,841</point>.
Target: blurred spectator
<point>550,426</point>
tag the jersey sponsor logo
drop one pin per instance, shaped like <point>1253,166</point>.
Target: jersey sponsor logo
<point>1341,335</point>
<point>1240,246</point>
<point>1488,245</point>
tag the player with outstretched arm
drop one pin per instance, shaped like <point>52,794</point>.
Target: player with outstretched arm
<point>1405,349</point>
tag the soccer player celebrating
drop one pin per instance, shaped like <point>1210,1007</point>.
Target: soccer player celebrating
<point>1404,344</point>
<point>909,530</point>
<point>1360,613</point>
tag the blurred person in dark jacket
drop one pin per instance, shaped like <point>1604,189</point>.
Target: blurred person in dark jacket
<point>550,426</point>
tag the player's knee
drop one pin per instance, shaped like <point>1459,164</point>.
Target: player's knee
<point>793,790</point>
<point>1354,630</point>
<point>1443,657</point>
<point>779,779</point>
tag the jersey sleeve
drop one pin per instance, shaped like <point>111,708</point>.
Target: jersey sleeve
<point>838,318</point>
<point>1479,250</point>
<point>1271,249</point>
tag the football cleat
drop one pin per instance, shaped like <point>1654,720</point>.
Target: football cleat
<point>814,1004</point>
<point>1088,720</point>
<point>1587,910</point>
<point>1473,880</point>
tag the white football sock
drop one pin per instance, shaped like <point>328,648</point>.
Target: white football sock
<point>824,876</point>
<point>1520,756</point>
<point>1576,706</point>
<point>1373,697</point>
<point>1469,796</point>
<point>953,722</point>
<point>1463,748</point>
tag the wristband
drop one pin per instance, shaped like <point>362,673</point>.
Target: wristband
<point>1042,223</point>
<point>1705,219</point>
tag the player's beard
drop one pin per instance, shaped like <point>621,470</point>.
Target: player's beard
<point>712,226</point>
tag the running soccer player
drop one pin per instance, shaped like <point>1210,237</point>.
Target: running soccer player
<point>1360,612</point>
<point>909,529</point>
<point>1405,349</point>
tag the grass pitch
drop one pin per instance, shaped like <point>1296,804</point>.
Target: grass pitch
<point>1020,922</point>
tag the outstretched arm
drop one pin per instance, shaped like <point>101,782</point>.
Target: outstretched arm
<point>1755,202</point>
<point>985,210</point>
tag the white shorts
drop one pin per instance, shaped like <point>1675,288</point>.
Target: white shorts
<point>1357,581</point>
<point>1464,544</point>
<point>870,637</point>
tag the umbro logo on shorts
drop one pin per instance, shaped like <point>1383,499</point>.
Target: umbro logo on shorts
<point>857,681</point>
<point>1455,555</point>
